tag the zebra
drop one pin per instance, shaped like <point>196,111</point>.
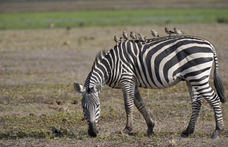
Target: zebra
<point>156,63</point>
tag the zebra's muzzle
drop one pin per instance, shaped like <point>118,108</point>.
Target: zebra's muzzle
<point>92,129</point>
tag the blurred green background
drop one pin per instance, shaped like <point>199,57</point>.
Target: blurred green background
<point>35,14</point>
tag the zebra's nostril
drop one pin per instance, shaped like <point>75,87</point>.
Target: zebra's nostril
<point>92,129</point>
<point>93,133</point>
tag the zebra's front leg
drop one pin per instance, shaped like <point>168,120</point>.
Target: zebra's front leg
<point>140,105</point>
<point>128,93</point>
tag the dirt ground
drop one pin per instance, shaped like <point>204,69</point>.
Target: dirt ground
<point>38,67</point>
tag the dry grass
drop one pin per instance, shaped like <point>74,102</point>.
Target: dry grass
<point>38,69</point>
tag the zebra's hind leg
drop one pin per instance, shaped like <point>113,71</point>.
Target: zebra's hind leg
<point>128,93</point>
<point>196,105</point>
<point>140,105</point>
<point>212,98</point>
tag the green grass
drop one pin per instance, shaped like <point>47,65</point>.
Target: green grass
<point>35,20</point>
<point>38,126</point>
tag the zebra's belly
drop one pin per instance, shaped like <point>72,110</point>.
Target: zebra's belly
<point>172,82</point>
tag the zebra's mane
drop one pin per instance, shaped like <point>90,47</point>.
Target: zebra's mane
<point>100,55</point>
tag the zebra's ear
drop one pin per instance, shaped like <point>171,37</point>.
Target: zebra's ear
<point>97,87</point>
<point>79,88</point>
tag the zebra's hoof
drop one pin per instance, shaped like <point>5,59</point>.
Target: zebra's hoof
<point>215,137</point>
<point>215,134</point>
<point>127,130</point>
<point>184,134</point>
<point>150,132</point>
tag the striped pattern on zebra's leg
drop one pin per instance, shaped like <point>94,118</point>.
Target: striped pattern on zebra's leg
<point>219,120</point>
<point>140,105</point>
<point>212,98</point>
<point>196,100</point>
<point>128,93</point>
<point>196,105</point>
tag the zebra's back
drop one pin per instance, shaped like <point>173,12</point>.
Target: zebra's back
<point>162,62</point>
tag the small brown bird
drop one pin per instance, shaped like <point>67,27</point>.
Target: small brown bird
<point>169,31</point>
<point>68,28</point>
<point>178,32</point>
<point>154,33</point>
<point>117,39</point>
<point>67,42</point>
<point>132,35</point>
<point>52,25</point>
<point>141,37</point>
<point>125,35</point>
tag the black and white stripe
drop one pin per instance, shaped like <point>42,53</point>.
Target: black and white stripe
<point>160,63</point>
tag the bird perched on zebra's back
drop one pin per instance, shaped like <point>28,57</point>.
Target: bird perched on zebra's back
<point>117,39</point>
<point>178,32</point>
<point>125,35</point>
<point>169,31</point>
<point>141,37</point>
<point>132,35</point>
<point>154,33</point>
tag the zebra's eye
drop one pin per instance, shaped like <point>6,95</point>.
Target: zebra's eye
<point>83,107</point>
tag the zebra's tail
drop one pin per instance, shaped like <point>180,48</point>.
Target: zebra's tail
<point>217,81</point>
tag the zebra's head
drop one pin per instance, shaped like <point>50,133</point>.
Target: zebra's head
<point>90,105</point>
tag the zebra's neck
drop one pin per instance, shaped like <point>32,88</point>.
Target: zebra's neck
<point>100,72</point>
<point>95,78</point>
